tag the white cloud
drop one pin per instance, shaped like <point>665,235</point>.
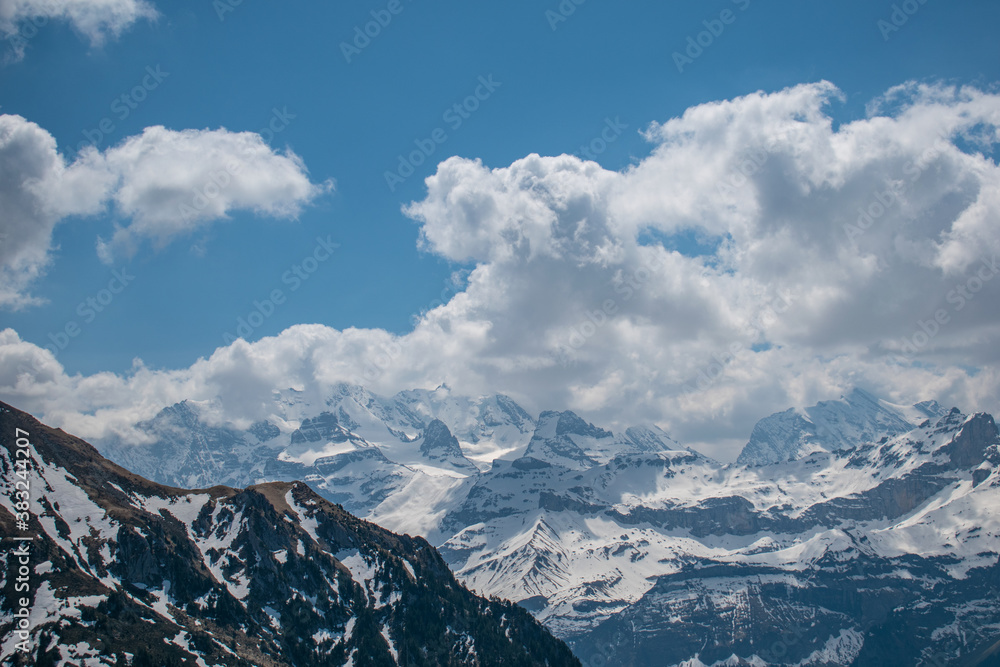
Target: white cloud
<point>799,296</point>
<point>174,182</point>
<point>540,206</point>
<point>37,189</point>
<point>162,183</point>
<point>96,20</point>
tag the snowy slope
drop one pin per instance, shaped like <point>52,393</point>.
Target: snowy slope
<point>487,427</point>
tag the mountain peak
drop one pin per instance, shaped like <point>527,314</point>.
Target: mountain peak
<point>569,422</point>
<point>555,440</point>
<point>553,423</point>
<point>978,435</point>
<point>439,440</point>
<point>184,412</point>
<point>438,444</point>
<point>651,439</point>
<point>859,395</point>
<point>858,417</point>
<point>930,408</point>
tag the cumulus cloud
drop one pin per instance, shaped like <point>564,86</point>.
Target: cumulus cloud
<point>37,189</point>
<point>171,182</point>
<point>831,256</point>
<point>162,184</point>
<point>96,20</point>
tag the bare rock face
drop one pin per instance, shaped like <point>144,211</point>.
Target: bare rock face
<point>971,445</point>
<point>438,444</point>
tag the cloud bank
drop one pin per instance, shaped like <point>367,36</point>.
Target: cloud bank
<point>160,185</point>
<point>760,256</point>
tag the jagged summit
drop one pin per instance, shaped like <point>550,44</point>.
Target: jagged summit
<point>438,440</point>
<point>560,438</point>
<point>569,423</point>
<point>439,445</point>
<point>651,439</point>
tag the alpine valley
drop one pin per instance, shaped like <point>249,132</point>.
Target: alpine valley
<point>852,532</point>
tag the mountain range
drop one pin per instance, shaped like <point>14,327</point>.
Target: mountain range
<point>109,568</point>
<point>852,532</point>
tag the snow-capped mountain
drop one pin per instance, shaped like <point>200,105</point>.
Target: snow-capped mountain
<point>631,547</point>
<point>831,426</point>
<point>563,438</point>
<point>437,444</point>
<point>489,427</point>
<point>112,569</point>
<point>883,555</point>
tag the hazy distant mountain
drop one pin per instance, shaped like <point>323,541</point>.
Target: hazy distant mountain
<point>831,426</point>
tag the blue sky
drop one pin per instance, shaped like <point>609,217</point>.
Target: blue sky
<point>558,84</point>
